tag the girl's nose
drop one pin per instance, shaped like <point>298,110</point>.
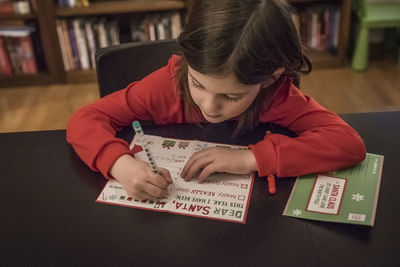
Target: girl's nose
<point>211,104</point>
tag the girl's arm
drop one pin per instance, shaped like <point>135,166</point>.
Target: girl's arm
<point>91,130</point>
<point>324,143</point>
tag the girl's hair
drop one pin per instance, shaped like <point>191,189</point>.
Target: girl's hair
<point>251,38</point>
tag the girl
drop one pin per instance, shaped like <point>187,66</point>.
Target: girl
<point>238,62</point>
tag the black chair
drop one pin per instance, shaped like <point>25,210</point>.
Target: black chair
<point>118,66</point>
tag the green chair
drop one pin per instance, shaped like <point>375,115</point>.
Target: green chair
<point>372,15</point>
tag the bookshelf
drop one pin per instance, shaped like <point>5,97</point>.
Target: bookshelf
<point>46,15</point>
<point>113,7</point>
<point>327,59</point>
<point>48,12</point>
<point>46,76</point>
<point>17,16</point>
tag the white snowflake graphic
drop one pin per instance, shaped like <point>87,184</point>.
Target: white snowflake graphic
<point>200,147</point>
<point>357,197</point>
<point>297,212</point>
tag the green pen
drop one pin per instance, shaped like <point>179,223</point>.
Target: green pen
<point>143,142</point>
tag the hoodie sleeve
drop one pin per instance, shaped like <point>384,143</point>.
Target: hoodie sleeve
<point>324,142</point>
<point>91,130</point>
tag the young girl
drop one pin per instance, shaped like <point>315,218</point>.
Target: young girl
<point>238,62</point>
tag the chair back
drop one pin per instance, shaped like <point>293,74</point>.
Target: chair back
<point>118,66</point>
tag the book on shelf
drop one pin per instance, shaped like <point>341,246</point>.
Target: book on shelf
<point>5,64</point>
<point>73,3</point>
<point>318,27</point>
<point>74,45</point>
<point>16,7</point>
<point>91,41</point>
<point>81,44</point>
<point>62,41</point>
<point>162,26</point>
<point>86,3</point>
<point>17,53</point>
<point>79,38</point>
<point>62,31</point>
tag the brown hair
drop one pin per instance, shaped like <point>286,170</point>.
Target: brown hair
<point>251,38</point>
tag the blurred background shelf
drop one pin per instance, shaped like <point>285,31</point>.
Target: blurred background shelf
<point>45,16</point>
<point>28,79</point>
<point>16,17</point>
<point>114,7</point>
<point>47,13</point>
<point>78,76</point>
<point>324,59</point>
<point>45,101</point>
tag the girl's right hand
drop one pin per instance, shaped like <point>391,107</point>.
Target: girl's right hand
<point>139,180</point>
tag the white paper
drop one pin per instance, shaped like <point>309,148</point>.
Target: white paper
<point>222,196</point>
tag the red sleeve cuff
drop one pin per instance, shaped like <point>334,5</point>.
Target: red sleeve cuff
<point>266,157</point>
<point>108,156</point>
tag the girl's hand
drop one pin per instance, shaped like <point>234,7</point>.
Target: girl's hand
<point>219,159</point>
<point>139,180</point>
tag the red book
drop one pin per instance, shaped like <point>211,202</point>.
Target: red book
<point>5,65</point>
<point>6,8</point>
<point>12,46</point>
<point>28,57</point>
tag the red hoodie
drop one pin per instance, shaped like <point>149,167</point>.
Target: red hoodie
<point>325,142</point>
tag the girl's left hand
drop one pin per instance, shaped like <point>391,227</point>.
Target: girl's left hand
<point>219,159</point>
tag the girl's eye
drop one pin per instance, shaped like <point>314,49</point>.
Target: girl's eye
<point>196,85</point>
<point>226,97</point>
<point>231,99</point>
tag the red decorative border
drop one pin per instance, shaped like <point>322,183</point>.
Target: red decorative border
<point>243,221</point>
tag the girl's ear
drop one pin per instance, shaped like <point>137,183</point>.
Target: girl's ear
<point>275,76</point>
<point>278,72</point>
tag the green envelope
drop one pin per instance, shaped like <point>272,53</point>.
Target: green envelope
<point>346,196</point>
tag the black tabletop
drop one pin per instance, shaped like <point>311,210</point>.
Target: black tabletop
<point>49,216</point>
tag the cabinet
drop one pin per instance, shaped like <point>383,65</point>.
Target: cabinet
<point>48,12</point>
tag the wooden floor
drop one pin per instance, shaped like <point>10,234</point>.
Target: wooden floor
<point>340,90</point>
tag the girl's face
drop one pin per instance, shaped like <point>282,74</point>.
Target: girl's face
<point>220,98</point>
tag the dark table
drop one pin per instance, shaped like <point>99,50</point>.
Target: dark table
<point>49,216</point>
